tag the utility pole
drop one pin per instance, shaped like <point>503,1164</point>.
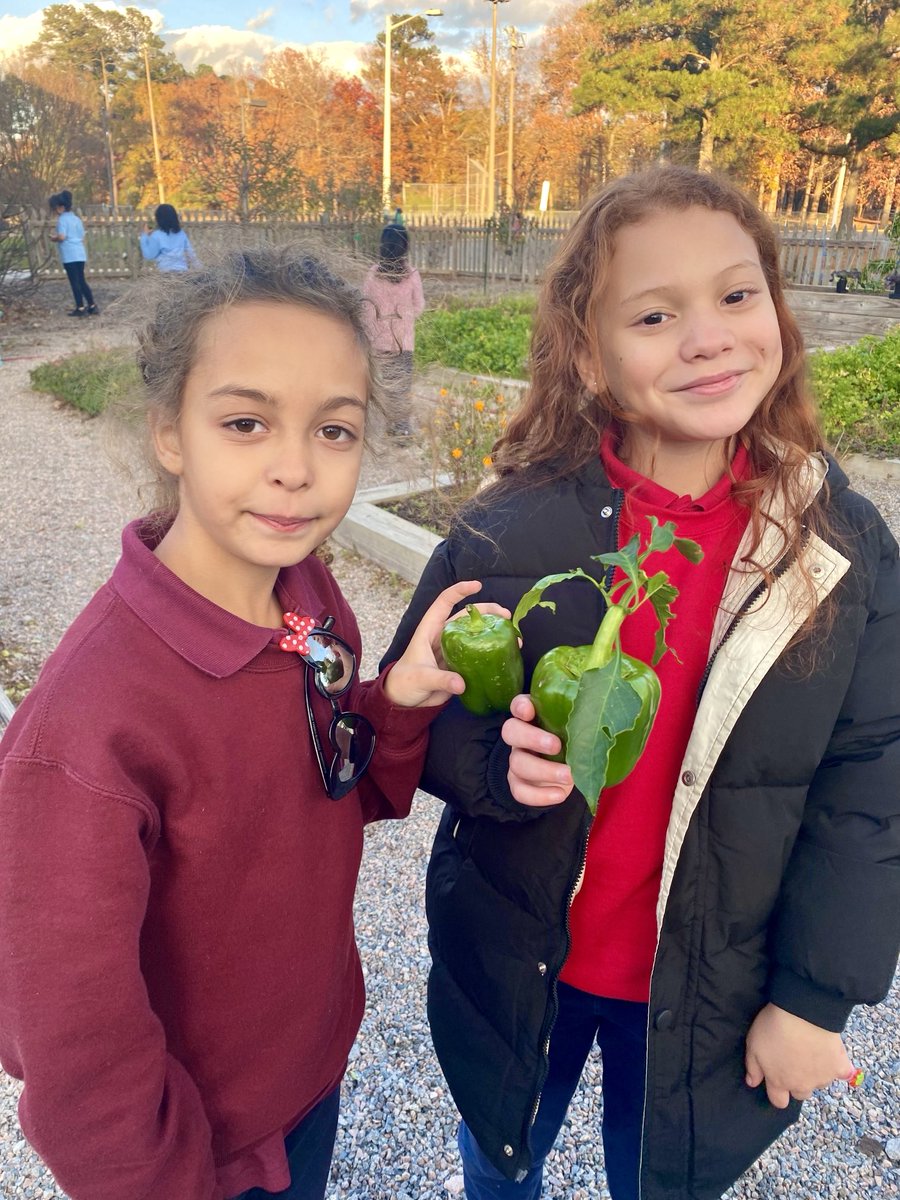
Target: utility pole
<point>516,43</point>
<point>108,139</point>
<point>156,155</point>
<point>244,198</point>
<point>492,118</point>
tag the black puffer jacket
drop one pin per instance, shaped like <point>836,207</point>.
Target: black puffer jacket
<point>781,879</point>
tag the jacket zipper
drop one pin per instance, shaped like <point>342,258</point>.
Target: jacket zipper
<point>618,499</point>
<point>780,567</point>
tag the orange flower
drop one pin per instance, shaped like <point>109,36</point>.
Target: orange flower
<point>443,392</point>
<point>479,406</point>
<point>499,398</point>
<point>487,461</point>
<point>456,452</point>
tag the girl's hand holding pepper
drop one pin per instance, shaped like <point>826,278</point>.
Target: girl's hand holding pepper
<point>419,679</point>
<point>534,780</point>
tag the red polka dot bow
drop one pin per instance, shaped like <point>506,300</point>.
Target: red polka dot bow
<point>302,626</point>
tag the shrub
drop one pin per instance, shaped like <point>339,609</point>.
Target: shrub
<point>486,341</point>
<point>87,381</point>
<point>858,390</point>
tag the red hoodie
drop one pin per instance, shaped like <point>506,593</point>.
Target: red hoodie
<point>613,917</point>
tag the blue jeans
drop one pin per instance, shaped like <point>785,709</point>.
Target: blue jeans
<point>309,1147</point>
<point>620,1028</point>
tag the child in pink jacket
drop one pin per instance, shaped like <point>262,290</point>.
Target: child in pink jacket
<point>394,290</point>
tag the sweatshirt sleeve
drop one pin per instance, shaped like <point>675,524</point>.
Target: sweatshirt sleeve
<point>190,253</point>
<point>836,932</point>
<point>401,740</point>
<point>150,246</point>
<point>107,1108</point>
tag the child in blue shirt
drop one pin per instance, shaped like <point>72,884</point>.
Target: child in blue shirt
<point>69,237</point>
<point>168,244</point>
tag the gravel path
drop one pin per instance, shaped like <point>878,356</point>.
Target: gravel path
<point>61,511</point>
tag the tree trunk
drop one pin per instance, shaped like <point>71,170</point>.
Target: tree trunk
<point>807,187</point>
<point>851,191</point>
<point>812,204</point>
<point>707,143</point>
<point>889,199</point>
<point>837,196</point>
<point>774,188</point>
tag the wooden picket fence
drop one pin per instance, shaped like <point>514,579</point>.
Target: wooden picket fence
<point>811,258</point>
<point>495,251</point>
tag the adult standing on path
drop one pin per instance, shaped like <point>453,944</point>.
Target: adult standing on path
<point>167,244</point>
<point>69,237</point>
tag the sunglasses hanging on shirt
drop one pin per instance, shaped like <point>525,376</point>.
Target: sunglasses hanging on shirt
<point>331,668</point>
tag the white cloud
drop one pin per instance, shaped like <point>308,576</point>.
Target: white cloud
<point>230,51</point>
<point>263,17</point>
<point>464,19</point>
<point>226,50</point>
<point>18,32</point>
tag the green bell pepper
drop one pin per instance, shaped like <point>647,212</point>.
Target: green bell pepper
<point>484,649</point>
<point>554,686</point>
<point>600,702</point>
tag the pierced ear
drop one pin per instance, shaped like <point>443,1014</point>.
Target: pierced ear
<point>167,445</point>
<point>589,370</point>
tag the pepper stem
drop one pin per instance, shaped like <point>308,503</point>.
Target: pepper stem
<point>607,637</point>
<point>476,620</point>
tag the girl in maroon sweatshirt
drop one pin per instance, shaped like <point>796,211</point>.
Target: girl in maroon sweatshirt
<point>183,792</point>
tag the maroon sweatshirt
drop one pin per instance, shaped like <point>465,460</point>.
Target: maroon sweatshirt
<point>179,979</point>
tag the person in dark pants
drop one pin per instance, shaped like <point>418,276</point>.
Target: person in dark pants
<point>69,237</point>
<point>309,1147</point>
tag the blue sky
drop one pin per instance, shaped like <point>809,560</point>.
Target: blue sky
<point>198,30</point>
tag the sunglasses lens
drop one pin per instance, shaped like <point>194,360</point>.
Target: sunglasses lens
<point>332,662</point>
<point>353,737</point>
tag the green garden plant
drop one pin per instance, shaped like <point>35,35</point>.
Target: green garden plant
<point>858,392</point>
<point>88,381</point>
<point>489,340</point>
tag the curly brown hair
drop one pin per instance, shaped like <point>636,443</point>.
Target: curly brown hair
<point>560,424</point>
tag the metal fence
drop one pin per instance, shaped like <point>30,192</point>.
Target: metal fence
<point>495,250</point>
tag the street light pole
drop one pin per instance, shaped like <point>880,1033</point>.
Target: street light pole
<point>492,119</point>
<point>389,28</point>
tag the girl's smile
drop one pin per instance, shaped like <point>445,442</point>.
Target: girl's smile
<point>713,385</point>
<point>687,342</point>
<point>282,524</point>
<point>267,450</point>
